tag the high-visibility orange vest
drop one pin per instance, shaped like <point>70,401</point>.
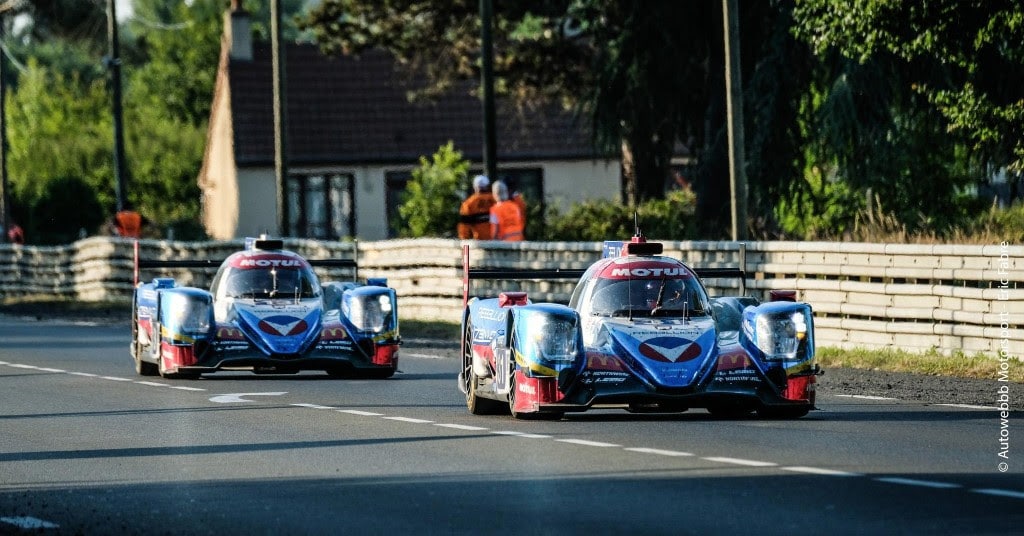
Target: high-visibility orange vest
<point>507,222</point>
<point>475,216</point>
<point>129,223</point>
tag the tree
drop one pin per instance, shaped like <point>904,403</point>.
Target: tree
<point>965,58</point>
<point>430,203</point>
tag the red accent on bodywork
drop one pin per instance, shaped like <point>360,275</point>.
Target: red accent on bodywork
<point>386,354</point>
<point>177,356</point>
<point>734,360</point>
<point>533,391</point>
<point>800,388</point>
<point>333,332</point>
<point>782,295</point>
<point>227,332</point>
<point>508,299</point>
<point>599,361</point>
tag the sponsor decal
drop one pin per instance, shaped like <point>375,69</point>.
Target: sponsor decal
<point>647,270</point>
<point>283,325</point>
<point>229,333</point>
<point>526,388</point>
<point>268,261</point>
<point>603,376</point>
<point>333,333</point>
<point>597,361</point>
<point>733,361</point>
<point>670,349</point>
<point>486,313</point>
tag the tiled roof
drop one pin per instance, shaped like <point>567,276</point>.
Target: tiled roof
<point>354,110</point>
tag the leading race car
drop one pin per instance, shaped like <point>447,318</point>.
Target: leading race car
<point>640,333</point>
<point>267,312</point>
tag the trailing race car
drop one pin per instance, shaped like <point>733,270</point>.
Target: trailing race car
<point>267,312</point>
<point>641,333</point>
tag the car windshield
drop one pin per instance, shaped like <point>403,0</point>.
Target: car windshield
<point>649,297</point>
<point>273,283</point>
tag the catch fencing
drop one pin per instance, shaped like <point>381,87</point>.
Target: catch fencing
<point>948,298</point>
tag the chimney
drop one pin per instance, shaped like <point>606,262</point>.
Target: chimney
<point>239,31</point>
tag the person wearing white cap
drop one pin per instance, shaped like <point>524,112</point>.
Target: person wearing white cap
<point>475,212</point>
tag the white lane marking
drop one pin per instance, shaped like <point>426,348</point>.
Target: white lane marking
<point>866,397</point>
<point>29,523</point>
<point>314,406</point>
<point>1000,492</point>
<point>461,427</point>
<point>4,363</point>
<point>919,483</point>
<point>360,413</point>
<point>423,356</point>
<point>520,434</point>
<point>659,452</point>
<point>967,406</point>
<point>154,384</point>
<point>19,365</point>
<point>116,378</point>
<point>237,397</point>
<point>740,461</point>
<point>51,369</point>
<point>185,388</point>
<point>587,443</point>
<point>84,374</point>
<point>408,419</point>
<point>819,471</point>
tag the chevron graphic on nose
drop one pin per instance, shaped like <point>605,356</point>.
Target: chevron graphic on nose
<point>670,349</point>
<point>282,325</point>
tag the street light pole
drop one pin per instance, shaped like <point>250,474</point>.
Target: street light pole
<point>734,107</point>
<point>5,204</point>
<point>487,83</point>
<point>114,64</point>
<point>280,120</point>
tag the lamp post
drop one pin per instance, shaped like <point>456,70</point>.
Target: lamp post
<point>280,120</point>
<point>114,64</point>
<point>487,83</point>
<point>734,107</point>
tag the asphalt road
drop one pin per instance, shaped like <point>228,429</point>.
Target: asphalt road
<point>87,447</point>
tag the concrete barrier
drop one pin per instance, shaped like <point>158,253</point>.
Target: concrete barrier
<point>949,298</point>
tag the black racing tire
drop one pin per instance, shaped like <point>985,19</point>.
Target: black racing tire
<point>142,368</point>
<point>476,404</point>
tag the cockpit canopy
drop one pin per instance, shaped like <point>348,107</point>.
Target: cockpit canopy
<point>272,283</point>
<point>278,275</point>
<point>652,287</point>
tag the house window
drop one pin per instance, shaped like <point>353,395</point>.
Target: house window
<point>394,184</point>
<point>320,205</point>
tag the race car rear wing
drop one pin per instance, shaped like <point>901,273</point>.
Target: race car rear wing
<point>215,263</point>
<point>469,274</point>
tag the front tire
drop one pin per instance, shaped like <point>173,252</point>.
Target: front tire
<point>476,404</point>
<point>142,368</point>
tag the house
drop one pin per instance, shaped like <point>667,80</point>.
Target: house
<point>353,138</point>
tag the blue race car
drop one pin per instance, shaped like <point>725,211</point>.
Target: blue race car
<point>267,312</point>
<point>640,333</point>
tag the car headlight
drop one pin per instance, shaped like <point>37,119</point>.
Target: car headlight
<point>188,314</point>
<point>554,338</point>
<point>369,313</point>
<point>779,335</point>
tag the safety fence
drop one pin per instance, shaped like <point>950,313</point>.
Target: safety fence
<point>951,298</point>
